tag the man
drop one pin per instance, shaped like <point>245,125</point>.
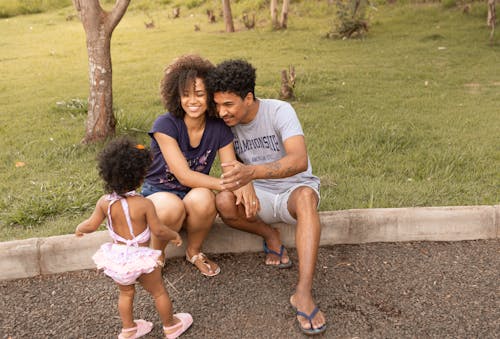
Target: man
<point>269,141</point>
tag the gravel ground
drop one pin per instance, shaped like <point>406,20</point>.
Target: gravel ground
<point>382,290</point>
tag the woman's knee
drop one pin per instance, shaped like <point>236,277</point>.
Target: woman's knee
<point>169,208</point>
<point>200,201</point>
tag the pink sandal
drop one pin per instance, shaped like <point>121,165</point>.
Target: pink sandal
<point>143,327</point>
<point>185,321</point>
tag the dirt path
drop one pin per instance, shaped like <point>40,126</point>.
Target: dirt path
<point>386,290</point>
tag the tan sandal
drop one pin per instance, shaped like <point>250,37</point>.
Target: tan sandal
<point>201,256</point>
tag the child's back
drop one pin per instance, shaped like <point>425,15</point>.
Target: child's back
<point>136,212</point>
<point>128,256</point>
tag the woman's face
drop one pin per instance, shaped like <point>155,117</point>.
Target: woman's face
<point>194,100</point>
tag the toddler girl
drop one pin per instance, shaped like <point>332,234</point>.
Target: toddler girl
<point>122,165</point>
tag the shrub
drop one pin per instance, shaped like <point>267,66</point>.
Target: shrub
<point>351,19</point>
<point>449,3</point>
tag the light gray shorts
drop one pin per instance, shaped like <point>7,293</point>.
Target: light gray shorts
<point>274,207</point>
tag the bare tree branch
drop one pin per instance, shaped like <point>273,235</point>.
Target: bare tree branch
<point>116,14</point>
<point>76,3</point>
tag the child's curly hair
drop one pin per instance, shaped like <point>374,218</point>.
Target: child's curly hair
<point>122,164</point>
<point>235,76</point>
<point>180,76</point>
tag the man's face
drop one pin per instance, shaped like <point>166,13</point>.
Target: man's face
<point>232,109</point>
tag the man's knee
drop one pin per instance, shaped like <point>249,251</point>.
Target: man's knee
<point>306,195</point>
<point>226,204</point>
<point>303,200</point>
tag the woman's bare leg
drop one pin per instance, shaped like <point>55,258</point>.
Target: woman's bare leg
<point>200,209</point>
<point>170,209</point>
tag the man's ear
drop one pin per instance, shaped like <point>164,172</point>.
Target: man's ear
<point>249,98</point>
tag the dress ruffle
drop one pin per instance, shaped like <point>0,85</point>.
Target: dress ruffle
<point>124,264</point>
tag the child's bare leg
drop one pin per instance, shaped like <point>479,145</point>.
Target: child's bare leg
<point>153,283</point>
<point>126,304</point>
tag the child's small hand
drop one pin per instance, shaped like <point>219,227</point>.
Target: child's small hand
<point>178,240</point>
<point>78,233</point>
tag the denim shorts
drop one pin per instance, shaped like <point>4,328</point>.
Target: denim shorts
<point>148,189</point>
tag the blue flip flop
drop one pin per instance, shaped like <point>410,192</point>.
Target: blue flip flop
<point>311,331</point>
<point>267,250</point>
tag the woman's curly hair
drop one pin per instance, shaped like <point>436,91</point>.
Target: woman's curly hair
<point>122,164</point>
<point>235,76</point>
<point>180,76</point>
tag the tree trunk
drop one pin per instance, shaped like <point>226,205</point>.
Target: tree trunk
<point>274,14</point>
<point>284,14</point>
<point>492,18</point>
<point>99,26</point>
<point>249,23</point>
<point>228,17</point>
<point>286,91</point>
<point>176,12</point>
<point>211,16</point>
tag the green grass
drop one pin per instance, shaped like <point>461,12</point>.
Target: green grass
<point>10,8</point>
<point>406,117</point>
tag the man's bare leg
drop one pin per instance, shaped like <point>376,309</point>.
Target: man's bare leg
<point>302,205</point>
<point>234,216</point>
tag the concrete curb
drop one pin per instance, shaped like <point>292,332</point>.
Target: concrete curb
<point>32,257</point>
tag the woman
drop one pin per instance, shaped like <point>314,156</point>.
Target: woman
<point>184,143</point>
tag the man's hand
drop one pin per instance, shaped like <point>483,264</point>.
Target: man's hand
<point>238,176</point>
<point>246,196</point>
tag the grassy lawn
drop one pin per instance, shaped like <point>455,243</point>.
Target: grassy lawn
<point>408,116</point>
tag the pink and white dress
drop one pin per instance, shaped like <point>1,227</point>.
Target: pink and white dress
<point>126,261</point>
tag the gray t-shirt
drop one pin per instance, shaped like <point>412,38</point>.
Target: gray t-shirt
<point>261,141</point>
